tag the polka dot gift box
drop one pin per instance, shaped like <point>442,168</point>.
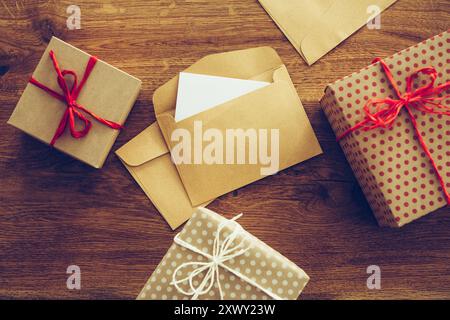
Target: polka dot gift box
<point>392,120</point>
<point>214,258</point>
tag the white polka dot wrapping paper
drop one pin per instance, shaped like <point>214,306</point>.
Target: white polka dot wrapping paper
<point>214,258</point>
<point>390,164</point>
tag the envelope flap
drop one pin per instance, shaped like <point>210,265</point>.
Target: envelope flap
<point>336,24</point>
<point>295,17</point>
<point>242,64</point>
<point>146,146</point>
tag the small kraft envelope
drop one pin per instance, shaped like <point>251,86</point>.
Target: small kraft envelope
<point>177,189</point>
<point>315,27</point>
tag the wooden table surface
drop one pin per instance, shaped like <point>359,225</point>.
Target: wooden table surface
<point>57,212</point>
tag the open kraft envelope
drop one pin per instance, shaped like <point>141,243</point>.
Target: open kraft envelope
<point>177,190</point>
<point>315,27</point>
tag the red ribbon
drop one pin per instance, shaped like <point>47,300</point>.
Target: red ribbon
<point>70,96</point>
<point>382,113</point>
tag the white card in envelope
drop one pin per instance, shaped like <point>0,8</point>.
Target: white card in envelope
<point>198,92</point>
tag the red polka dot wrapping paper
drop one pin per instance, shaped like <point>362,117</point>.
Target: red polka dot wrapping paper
<point>390,165</point>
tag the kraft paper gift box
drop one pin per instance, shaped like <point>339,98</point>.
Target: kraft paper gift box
<point>44,110</point>
<point>391,164</point>
<point>315,27</point>
<point>176,190</point>
<point>214,258</point>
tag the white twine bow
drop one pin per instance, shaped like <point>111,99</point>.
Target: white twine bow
<point>222,251</point>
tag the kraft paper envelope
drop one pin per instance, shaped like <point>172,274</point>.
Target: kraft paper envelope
<point>148,160</point>
<point>315,27</point>
<point>176,190</point>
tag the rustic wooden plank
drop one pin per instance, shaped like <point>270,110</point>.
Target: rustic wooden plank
<point>56,211</point>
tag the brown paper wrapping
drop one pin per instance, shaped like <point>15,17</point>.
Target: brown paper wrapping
<point>390,165</point>
<point>261,264</point>
<point>109,93</point>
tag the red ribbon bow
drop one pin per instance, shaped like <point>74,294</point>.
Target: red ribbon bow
<point>70,96</point>
<point>382,113</point>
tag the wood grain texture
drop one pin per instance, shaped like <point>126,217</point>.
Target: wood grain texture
<point>56,211</point>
